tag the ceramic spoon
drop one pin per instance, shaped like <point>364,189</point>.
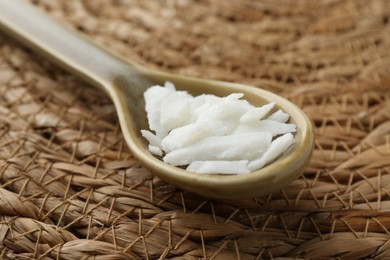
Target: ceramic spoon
<point>125,83</point>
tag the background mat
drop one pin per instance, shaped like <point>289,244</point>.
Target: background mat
<point>70,189</point>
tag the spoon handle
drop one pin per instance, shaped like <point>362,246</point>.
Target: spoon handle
<point>64,46</point>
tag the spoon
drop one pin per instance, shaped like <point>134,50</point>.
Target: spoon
<point>125,83</point>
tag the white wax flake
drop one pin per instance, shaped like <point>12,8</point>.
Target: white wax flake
<point>175,111</point>
<point>155,150</point>
<point>211,134</point>
<point>153,98</point>
<point>279,116</point>
<point>234,96</point>
<point>277,147</point>
<point>169,85</point>
<point>274,127</point>
<point>221,167</point>
<point>191,133</point>
<point>229,147</point>
<point>198,104</point>
<point>256,113</point>
<point>211,99</point>
<point>152,138</point>
<point>224,110</point>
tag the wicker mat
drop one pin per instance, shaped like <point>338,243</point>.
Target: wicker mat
<point>70,188</point>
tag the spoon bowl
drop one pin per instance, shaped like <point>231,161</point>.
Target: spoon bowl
<point>125,83</point>
<point>261,182</point>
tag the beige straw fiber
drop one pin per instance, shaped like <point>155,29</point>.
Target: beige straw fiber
<point>70,188</point>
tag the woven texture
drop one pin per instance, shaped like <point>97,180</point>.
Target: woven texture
<point>70,188</point>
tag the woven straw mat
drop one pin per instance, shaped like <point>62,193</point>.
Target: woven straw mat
<point>70,188</point>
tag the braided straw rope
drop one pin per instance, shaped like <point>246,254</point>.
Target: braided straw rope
<point>70,189</point>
